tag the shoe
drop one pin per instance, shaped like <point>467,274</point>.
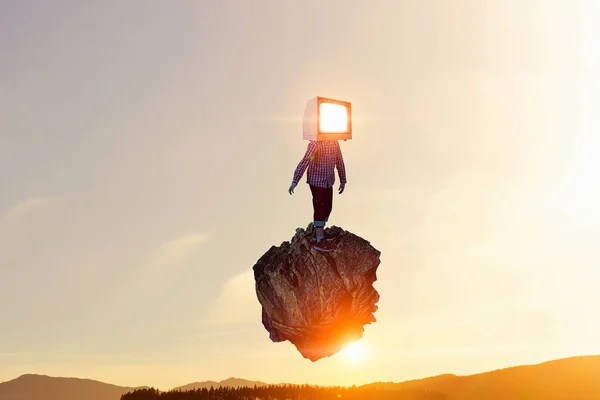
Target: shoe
<point>326,235</point>
<point>329,238</point>
<point>323,245</point>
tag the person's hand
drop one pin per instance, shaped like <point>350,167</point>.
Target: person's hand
<point>291,189</point>
<point>342,187</point>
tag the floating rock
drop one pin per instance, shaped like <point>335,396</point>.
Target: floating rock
<point>319,301</point>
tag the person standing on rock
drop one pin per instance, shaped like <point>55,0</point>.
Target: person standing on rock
<point>321,158</point>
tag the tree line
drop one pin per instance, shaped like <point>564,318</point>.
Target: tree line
<point>285,392</point>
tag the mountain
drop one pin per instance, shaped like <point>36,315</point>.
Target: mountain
<point>231,382</point>
<point>432,381</point>
<point>575,378</point>
<point>42,387</point>
<point>567,378</point>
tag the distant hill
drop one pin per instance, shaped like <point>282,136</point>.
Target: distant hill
<point>431,381</point>
<point>231,382</point>
<point>568,378</point>
<point>576,378</point>
<point>42,387</point>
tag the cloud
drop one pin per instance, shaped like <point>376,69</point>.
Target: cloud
<point>23,227</point>
<point>237,301</point>
<point>28,207</point>
<point>170,258</point>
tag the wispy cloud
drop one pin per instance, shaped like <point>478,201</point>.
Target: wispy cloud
<point>170,258</point>
<point>237,302</point>
<point>24,223</point>
<point>28,207</point>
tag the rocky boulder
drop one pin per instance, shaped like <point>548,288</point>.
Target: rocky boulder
<point>319,301</point>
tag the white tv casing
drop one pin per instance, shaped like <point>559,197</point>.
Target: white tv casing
<point>310,126</point>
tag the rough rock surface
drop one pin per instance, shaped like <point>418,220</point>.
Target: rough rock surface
<point>319,301</point>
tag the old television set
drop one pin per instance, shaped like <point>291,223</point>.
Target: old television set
<point>327,119</point>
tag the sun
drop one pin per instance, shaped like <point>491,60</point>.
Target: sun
<point>354,352</point>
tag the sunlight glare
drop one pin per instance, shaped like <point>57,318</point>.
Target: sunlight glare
<point>354,352</point>
<point>577,193</point>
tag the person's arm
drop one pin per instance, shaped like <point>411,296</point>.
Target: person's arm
<point>339,163</point>
<point>308,157</point>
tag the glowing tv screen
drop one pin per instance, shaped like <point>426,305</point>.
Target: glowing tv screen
<point>327,119</point>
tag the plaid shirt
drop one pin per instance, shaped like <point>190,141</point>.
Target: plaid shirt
<point>321,158</point>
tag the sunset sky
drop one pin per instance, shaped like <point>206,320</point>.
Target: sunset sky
<point>146,149</point>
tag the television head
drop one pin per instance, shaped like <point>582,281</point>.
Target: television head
<point>327,119</point>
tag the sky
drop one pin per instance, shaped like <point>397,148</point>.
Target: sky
<point>146,149</point>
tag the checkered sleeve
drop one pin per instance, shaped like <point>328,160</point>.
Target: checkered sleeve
<point>308,157</point>
<point>339,163</point>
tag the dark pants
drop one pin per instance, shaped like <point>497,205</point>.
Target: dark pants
<point>322,199</point>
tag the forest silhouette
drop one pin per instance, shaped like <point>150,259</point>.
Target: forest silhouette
<point>287,392</point>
